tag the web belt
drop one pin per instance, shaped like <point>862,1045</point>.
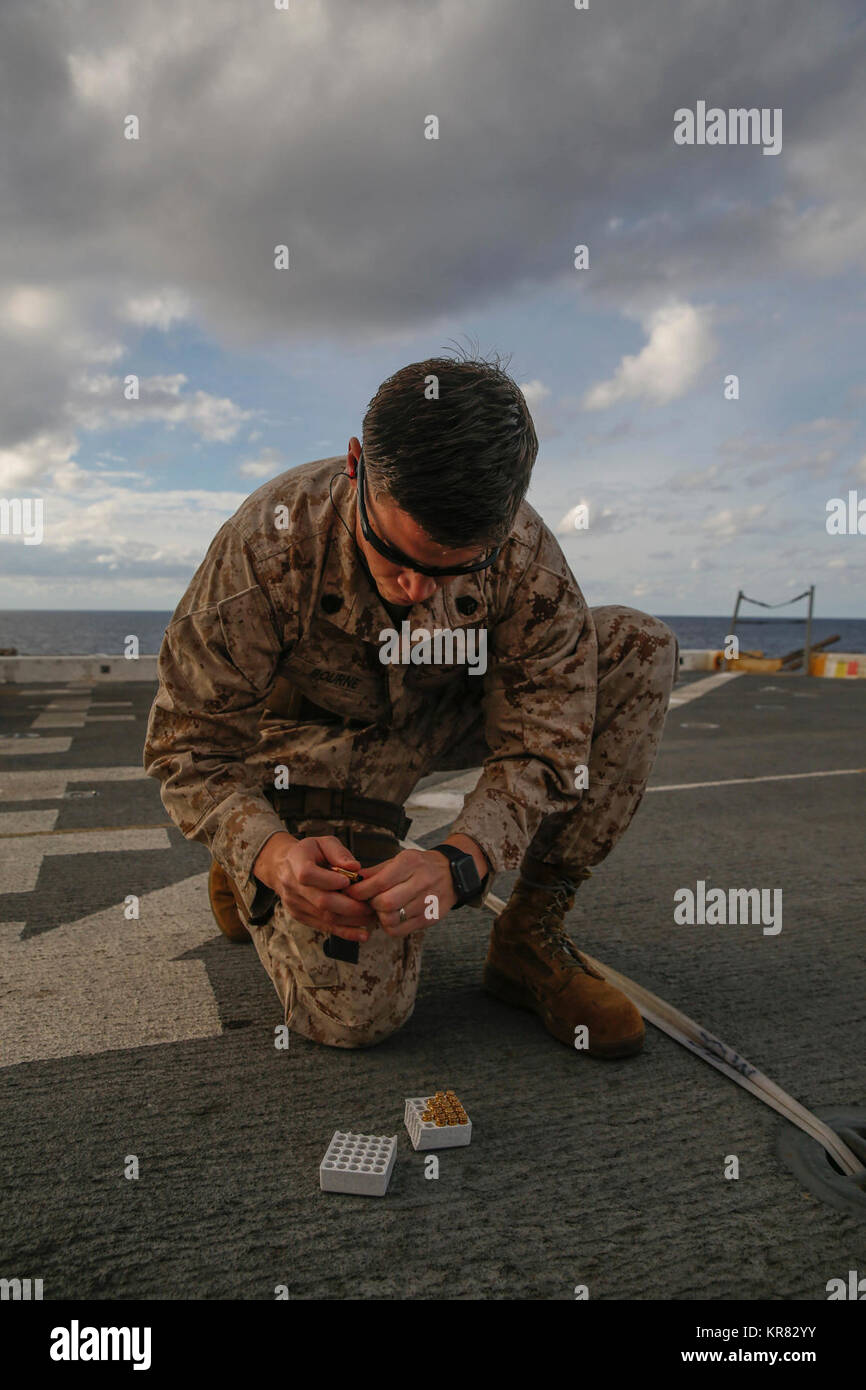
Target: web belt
<point>331,803</point>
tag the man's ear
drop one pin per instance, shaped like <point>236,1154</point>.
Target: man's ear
<point>351,460</point>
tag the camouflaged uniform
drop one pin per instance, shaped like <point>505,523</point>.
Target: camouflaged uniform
<point>273,658</point>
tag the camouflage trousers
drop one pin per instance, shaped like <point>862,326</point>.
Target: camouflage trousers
<point>356,1005</point>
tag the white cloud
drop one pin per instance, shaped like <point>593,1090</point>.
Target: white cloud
<point>602,520</point>
<point>710,479</point>
<point>680,345</point>
<point>35,459</point>
<point>266,465</point>
<point>565,526</point>
<point>534,392</point>
<point>158,310</point>
<point>732,521</point>
<point>102,79</point>
<point>100,525</point>
<point>98,402</point>
<point>34,308</point>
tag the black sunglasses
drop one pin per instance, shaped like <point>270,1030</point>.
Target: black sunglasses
<point>390,552</point>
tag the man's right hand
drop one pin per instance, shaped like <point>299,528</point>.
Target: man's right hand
<point>309,890</point>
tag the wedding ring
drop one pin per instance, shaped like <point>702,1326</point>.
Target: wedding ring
<point>402,915</point>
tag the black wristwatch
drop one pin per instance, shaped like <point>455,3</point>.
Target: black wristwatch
<point>467,885</point>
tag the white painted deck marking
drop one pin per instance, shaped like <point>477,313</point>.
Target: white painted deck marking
<point>102,983</point>
<point>54,719</point>
<point>433,807</point>
<point>24,747</point>
<point>48,786</point>
<point>438,799</point>
<point>683,695</point>
<point>26,822</point>
<point>747,781</point>
<point>66,712</point>
<point>52,689</point>
<point>22,856</point>
<point>73,702</point>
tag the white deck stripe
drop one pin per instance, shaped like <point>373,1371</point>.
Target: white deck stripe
<point>23,855</point>
<point>27,822</point>
<point>682,695</point>
<point>73,719</point>
<point>437,800</point>
<point>73,702</point>
<point>746,781</point>
<point>53,689</point>
<point>104,983</point>
<point>48,786</point>
<point>25,747</point>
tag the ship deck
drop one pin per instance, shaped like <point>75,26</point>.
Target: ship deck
<point>154,1037</point>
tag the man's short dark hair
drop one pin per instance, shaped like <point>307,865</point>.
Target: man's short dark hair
<point>457,459</point>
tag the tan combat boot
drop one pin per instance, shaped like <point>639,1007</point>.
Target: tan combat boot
<point>224,904</point>
<point>533,963</point>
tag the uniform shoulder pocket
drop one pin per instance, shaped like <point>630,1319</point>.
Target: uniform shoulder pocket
<point>250,639</point>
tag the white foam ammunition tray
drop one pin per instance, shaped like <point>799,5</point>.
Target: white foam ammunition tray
<point>426,1134</point>
<point>360,1163</point>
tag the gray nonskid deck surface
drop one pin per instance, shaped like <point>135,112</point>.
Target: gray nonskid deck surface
<point>579,1172</point>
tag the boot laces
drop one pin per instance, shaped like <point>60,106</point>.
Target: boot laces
<point>550,926</point>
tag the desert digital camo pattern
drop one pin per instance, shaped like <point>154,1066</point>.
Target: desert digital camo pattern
<point>272,657</point>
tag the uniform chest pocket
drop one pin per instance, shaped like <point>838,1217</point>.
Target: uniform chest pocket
<point>346,691</point>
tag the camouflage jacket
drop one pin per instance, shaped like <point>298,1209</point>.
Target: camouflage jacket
<point>282,603</point>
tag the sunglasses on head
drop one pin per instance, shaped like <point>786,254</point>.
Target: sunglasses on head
<point>390,552</point>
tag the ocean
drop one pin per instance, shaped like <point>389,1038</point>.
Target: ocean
<point>37,632</point>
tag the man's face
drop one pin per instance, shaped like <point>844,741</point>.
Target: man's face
<point>395,583</point>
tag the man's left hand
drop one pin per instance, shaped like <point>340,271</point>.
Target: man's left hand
<point>418,880</point>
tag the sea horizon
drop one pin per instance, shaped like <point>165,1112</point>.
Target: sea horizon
<point>103,631</point>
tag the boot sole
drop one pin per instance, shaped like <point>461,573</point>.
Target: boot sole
<point>509,992</point>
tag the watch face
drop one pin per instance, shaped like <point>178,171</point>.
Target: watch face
<point>466,875</point>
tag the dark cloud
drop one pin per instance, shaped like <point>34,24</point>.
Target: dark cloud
<point>306,127</point>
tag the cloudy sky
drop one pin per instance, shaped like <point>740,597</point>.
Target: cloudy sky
<point>306,127</point>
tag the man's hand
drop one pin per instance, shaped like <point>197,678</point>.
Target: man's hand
<point>309,890</point>
<point>408,880</point>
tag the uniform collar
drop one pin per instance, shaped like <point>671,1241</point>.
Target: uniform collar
<point>348,599</point>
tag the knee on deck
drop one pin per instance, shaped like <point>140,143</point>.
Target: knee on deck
<point>374,1028</point>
